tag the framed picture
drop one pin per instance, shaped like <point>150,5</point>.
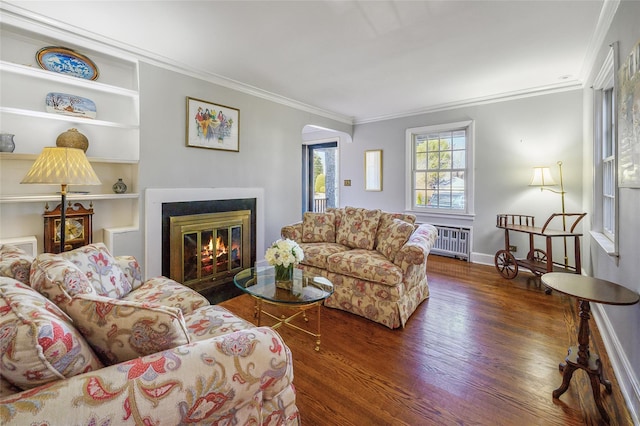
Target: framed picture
<point>629,121</point>
<point>373,170</point>
<point>212,126</point>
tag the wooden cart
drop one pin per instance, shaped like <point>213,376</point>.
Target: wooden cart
<point>538,261</point>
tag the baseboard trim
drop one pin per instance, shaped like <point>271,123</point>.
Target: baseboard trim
<point>629,384</point>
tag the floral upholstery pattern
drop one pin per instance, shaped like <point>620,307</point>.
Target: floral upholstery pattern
<point>167,292</point>
<point>120,330</point>
<point>58,279</point>
<point>385,284</point>
<point>318,228</point>
<point>241,378</point>
<point>392,237</point>
<point>38,344</point>
<point>358,228</point>
<point>212,321</point>
<point>101,269</point>
<point>366,265</point>
<point>131,269</point>
<point>15,263</point>
<point>316,254</point>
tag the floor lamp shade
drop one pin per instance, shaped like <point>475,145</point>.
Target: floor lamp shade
<point>542,177</point>
<point>62,166</point>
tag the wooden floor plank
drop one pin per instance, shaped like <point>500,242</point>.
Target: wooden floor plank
<point>482,350</point>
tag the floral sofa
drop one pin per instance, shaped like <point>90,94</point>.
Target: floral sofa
<point>375,260</point>
<point>84,341</point>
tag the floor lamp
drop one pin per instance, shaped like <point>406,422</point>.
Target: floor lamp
<point>542,178</point>
<point>62,166</point>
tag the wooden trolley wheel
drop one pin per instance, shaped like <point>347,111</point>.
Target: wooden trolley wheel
<point>506,264</point>
<point>538,256</point>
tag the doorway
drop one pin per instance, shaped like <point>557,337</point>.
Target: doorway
<point>321,167</point>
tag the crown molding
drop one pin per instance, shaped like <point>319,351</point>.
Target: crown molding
<point>14,15</point>
<point>607,13</point>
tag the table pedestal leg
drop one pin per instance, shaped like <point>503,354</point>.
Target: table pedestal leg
<point>580,358</point>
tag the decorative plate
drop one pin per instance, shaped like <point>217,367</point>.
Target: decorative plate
<point>77,106</point>
<point>66,61</point>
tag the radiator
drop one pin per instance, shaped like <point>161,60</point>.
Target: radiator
<point>453,241</point>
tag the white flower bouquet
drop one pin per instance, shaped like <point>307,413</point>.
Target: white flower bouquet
<point>283,255</point>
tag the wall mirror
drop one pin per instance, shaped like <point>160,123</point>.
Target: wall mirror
<point>373,170</point>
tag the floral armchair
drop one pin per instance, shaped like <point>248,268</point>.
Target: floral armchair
<point>82,355</point>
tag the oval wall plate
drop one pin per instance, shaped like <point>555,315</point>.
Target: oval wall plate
<point>77,106</point>
<point>66,61</point>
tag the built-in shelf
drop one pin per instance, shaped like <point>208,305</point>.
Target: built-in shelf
<point>37,198</point>
<point>67,118</point>
<point>21,156</point>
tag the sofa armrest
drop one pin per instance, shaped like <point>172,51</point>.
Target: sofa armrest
<point>417,248</point>
<point>131,269</point>
<point>230,379</point>
<point>293,232</point>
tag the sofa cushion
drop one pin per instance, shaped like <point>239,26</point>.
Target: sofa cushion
<point>392,237</point>
<point>167,292</point>
<point>15,263</point>
<point>101,269</point>
<point>358,228</point>
<point>120,330</point>
<point>318,228</point>
<point>37,341</point>
<point>315,254</point>
<point>386,219</point>
<point>366,265</point>
<point>58,279</point>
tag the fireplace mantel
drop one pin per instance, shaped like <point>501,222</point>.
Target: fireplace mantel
<point>155,197</point>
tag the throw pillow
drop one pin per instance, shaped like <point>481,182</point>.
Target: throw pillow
<point>358,228</point>
<point>318,228</point>
<point>393,237</point>
<point>386,219</point>
<point>120,330</point>
<point>38,344</point>
<point>15,263</point>
<point>101,268</point>
<point>58,279</point>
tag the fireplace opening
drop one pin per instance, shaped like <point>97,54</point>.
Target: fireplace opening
<point>210,248</point>
<point>205,243</point>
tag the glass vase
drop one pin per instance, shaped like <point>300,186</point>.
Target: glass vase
<point>284,275</point>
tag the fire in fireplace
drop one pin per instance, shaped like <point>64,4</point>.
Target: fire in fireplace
<point>209,249</point>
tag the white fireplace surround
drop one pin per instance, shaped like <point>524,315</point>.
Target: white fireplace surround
<point>155,197</point>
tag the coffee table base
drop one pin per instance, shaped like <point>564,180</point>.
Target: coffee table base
<point>284,320</point>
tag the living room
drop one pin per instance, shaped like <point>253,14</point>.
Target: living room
<point>511,136</point>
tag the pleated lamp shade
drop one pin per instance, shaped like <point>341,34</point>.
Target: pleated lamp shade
<point>66,166</point>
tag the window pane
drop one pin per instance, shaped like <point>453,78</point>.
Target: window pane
<point>420,180</point>
<point>421,198</point>
<point>459,159</point>
<point>420,145</point>
<point>432,180</point>
<point>421,161</point>
<point>459,139</point>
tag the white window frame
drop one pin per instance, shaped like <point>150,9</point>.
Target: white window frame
<point>605,165</point>
<point>426,212</point>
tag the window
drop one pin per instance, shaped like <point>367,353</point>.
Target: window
<point>441,178</point>
<point>605,165</point>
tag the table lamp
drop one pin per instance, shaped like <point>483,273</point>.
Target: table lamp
<point>62,166</point>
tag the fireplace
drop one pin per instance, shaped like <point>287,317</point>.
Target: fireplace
<point>205,243</point>
<point>209,249</point>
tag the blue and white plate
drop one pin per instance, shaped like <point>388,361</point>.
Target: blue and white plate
<point>66,61</point>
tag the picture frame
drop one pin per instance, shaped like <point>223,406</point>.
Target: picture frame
<point>628,98</point>
<point>373,170</point>
<point>212,126</point>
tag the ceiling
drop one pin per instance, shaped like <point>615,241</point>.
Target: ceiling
<point>358,60</point>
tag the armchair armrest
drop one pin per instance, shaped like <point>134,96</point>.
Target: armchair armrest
<point>293,232</point>
<point>417,248</point>
<point>232,379</point>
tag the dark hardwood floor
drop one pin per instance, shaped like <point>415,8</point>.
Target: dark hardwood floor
<point>482,350</point>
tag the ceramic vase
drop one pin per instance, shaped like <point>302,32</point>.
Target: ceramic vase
<point>6,142</point>
<point>72,138</point>
<point>119,187</point>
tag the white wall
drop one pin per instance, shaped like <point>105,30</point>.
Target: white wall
<point>620,325</point>
<point>511,138</point>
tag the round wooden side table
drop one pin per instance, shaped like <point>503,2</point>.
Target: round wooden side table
<point>587,289</point>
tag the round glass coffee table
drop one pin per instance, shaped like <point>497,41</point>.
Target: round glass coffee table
<point>305,291</point>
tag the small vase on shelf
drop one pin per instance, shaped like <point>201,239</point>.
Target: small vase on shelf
<point>6,142</point>
<point>119,187</point>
